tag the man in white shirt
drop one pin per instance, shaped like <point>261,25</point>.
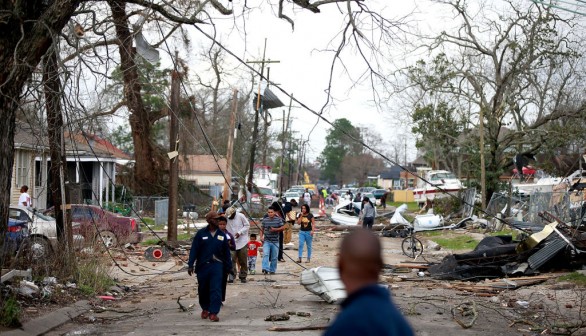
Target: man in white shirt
<point>25,199</point>
<point>238,226</point>
<point>307,197</point>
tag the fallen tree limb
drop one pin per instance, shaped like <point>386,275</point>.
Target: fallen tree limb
<point>276,328</point>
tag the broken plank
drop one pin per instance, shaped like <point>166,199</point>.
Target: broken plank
<point>276,328</point>
<point>419,266</point>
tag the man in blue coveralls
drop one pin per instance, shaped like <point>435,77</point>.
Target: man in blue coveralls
<point>211,254</point>
<point>368,309</point>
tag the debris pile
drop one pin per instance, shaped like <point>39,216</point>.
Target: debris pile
<point>556,245</point>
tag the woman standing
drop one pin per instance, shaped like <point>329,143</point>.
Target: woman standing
<point>367,213</point>
<point>307,222</point>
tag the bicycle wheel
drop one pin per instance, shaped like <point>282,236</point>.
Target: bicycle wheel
<point>412,247</point>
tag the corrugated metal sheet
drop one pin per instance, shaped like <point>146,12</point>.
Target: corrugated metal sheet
<point>269,100</point>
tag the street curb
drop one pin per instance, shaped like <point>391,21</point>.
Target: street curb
<point>50,321</point>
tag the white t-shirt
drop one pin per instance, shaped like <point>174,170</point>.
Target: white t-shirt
<point>24,197</point>
<point>307,197</point>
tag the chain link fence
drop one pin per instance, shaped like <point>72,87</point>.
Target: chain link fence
<point>567,206</point>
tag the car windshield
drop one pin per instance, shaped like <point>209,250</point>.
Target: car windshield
<point>265,191</point>
<point>292,194</point>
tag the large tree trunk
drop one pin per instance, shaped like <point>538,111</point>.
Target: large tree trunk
<point>27,26</point>
<point>53,92</point>
<point>145,154</point>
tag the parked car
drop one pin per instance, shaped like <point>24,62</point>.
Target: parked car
<point>43,230</point>
<point>267,195</point>
<point>99,224</point>
<point>378,193</point>
<point>363,190</point>
<point>292,196</point>
<point>17,232</point>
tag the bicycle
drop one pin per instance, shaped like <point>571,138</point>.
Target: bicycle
<point>411,246</point>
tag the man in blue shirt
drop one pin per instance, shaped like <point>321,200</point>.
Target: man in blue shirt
<point>269,235</point>
<point>210,252</point>
<point>368,309</point>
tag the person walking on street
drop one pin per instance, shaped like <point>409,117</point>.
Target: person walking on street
<point>238,226</point>
<point>269,235</point>
<point>253,246</point>
<point>280,212</point>
<point>290,217</point>
<point>367,213</point>
<point>210,252</point>
<point>228,277</point>
<point>383,199</point>
<point>368,309</point>
<point>307,223</point>
<point>307,197</point>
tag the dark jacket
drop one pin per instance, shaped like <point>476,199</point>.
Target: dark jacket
<point>369,311</point>
<point>205,246</point>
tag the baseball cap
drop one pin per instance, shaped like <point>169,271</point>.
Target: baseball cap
<point>212,215</point>
<point>230,211</point>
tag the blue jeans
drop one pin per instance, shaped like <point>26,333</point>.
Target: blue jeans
<point>305,237</point>
<point>270,251</point>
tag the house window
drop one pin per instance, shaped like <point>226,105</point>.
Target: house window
<point>23,167</point>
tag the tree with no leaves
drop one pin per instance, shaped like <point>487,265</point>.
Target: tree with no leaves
<point>511,69</point>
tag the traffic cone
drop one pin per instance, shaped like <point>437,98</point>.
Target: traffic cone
<point>322,207</point>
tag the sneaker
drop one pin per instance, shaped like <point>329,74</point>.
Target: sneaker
<point>308,261</point>
<point>214,318</point>
<point>243,280</point>
<point>299,261</point>
<point>281,260</point>
<point>272,272</point>
<point>205,314</point>
<point>265,272</point>
<point>253,272</point>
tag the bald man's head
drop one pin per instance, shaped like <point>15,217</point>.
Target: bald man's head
<point>360,260</point>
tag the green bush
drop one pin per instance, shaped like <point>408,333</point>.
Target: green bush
<point>10,313</point>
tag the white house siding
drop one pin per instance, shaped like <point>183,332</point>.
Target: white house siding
<point>28,157</point>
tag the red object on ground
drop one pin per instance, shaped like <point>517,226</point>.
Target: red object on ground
<point>106,297</point>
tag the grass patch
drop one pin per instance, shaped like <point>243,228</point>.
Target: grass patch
<point>457,243</point>
<point>411,206</point>
<point>151,224</point>
<point>93,276</point>
<point>10,313</point>
<point>574,277</point>
<point>430,233</point>
<point>504,232</point>
<point>155,241</point>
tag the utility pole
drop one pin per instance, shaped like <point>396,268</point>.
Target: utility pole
<point>174,158</point>
<point>283,143</point>
<point>257,111</point>
<point>265,136</point>
<point>227,194</point>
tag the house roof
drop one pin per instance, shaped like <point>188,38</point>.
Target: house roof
<point>77,145</point>
<point>190,164</point>
<point>394,173</point>
<point>98,144</point>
